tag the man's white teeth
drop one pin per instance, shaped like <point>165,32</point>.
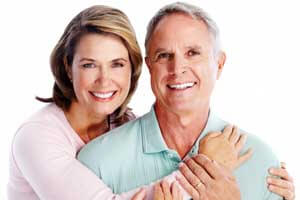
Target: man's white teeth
<point>181,86</point>
<point>103,95</point>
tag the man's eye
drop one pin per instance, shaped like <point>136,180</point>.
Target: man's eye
<point>193,53</point>
<point>114,65</point>
<point>164,56</point>
<point>88,65</point>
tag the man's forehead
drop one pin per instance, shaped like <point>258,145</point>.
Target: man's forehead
<point>179,20</point>
<point>179,30</point>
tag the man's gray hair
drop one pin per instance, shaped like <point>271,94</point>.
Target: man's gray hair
<point>187,9</point>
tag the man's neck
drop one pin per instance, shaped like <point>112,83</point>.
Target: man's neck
<point>181,130</point>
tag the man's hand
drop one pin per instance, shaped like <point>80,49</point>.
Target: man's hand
<point>224,147</point>
<point>204,179</point>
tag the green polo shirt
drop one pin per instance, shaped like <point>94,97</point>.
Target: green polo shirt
<point>136,154</point>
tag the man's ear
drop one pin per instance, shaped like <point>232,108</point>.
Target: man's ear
<point>221,62</point>
<point>148,63</point>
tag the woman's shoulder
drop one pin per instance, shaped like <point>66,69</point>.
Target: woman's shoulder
<point>47,120</point>
<point>47,113</point>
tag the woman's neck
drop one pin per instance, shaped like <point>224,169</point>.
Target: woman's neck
<point>86,124</point>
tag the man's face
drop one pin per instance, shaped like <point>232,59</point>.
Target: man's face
<point>182,63</point>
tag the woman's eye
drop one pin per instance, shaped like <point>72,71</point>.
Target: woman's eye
<point>117,65</point>
<point>88,65</point>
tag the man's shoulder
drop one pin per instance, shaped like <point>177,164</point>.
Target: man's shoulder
<point>252,175</point>
<point>262,151</point>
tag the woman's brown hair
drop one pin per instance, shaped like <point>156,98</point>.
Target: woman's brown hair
<point>96,19</point>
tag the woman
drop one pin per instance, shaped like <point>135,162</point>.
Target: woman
<point>96,65</point>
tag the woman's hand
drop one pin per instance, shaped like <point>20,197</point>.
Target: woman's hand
<point>224,147</point>
<point>163,191</point>
<point>282,185</point>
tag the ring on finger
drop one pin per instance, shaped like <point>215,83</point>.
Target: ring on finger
<point>198,185</point>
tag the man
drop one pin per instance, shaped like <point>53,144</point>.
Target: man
<point>184,60</point>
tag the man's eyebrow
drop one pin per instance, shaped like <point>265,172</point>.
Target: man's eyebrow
<point>159,50</point>
<point>194,47</point>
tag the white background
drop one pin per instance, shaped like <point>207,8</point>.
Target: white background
<point>258,91</point>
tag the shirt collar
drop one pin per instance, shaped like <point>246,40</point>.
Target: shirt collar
<point>153,141</point>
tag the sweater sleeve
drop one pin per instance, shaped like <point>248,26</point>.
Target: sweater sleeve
<point>47,162</point>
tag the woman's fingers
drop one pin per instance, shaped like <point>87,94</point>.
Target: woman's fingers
<point>240,142</point>
<point>212,135</point>
<point>282,173</point>
<point>287,194</point>
<point>163,191</point>
<point>158,192</point>
<point>246,156</point>
<point>176,194</point>
<point>187,186</point>
<point>189,175</point>
<point>140,195</point>
<point>283,165</point>
<point>234,136</point>
<point>280,183</point>
<point>210,168</point>
<point>198,170</point>
<point>227,131</point>
<point>283,184</point>
<point>166,190</point>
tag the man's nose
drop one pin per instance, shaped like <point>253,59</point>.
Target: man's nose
<point>178,65</point>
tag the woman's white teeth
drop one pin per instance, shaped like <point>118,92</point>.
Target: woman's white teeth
<point>103,95</point>
<point>181,86</point>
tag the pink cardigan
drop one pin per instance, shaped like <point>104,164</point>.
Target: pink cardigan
<point>43,163</point>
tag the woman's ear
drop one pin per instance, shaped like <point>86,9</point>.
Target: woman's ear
<point>68,69</point>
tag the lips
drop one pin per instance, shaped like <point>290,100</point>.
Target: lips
<point>181,86</point>
<point>103,95</point>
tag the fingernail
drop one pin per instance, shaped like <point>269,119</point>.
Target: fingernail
<point>180,164</point>
<point>283,165</point>
<point>271,170</point>
<point>204,156</point>
<point>187,157</point>
<point>269,180</point>
<point>270,187</point>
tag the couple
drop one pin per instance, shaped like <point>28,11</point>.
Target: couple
<point>96,65</point>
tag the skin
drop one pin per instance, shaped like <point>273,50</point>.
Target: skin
<point>283,186</point>
<point>224,147</point>
<point>186,55</point>
<point>177,56</point>
<point>92,71</point>
<point>211,181</point>
<point>101,65</point>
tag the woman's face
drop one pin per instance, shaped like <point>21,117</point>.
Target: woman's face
<point>101,74</point>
